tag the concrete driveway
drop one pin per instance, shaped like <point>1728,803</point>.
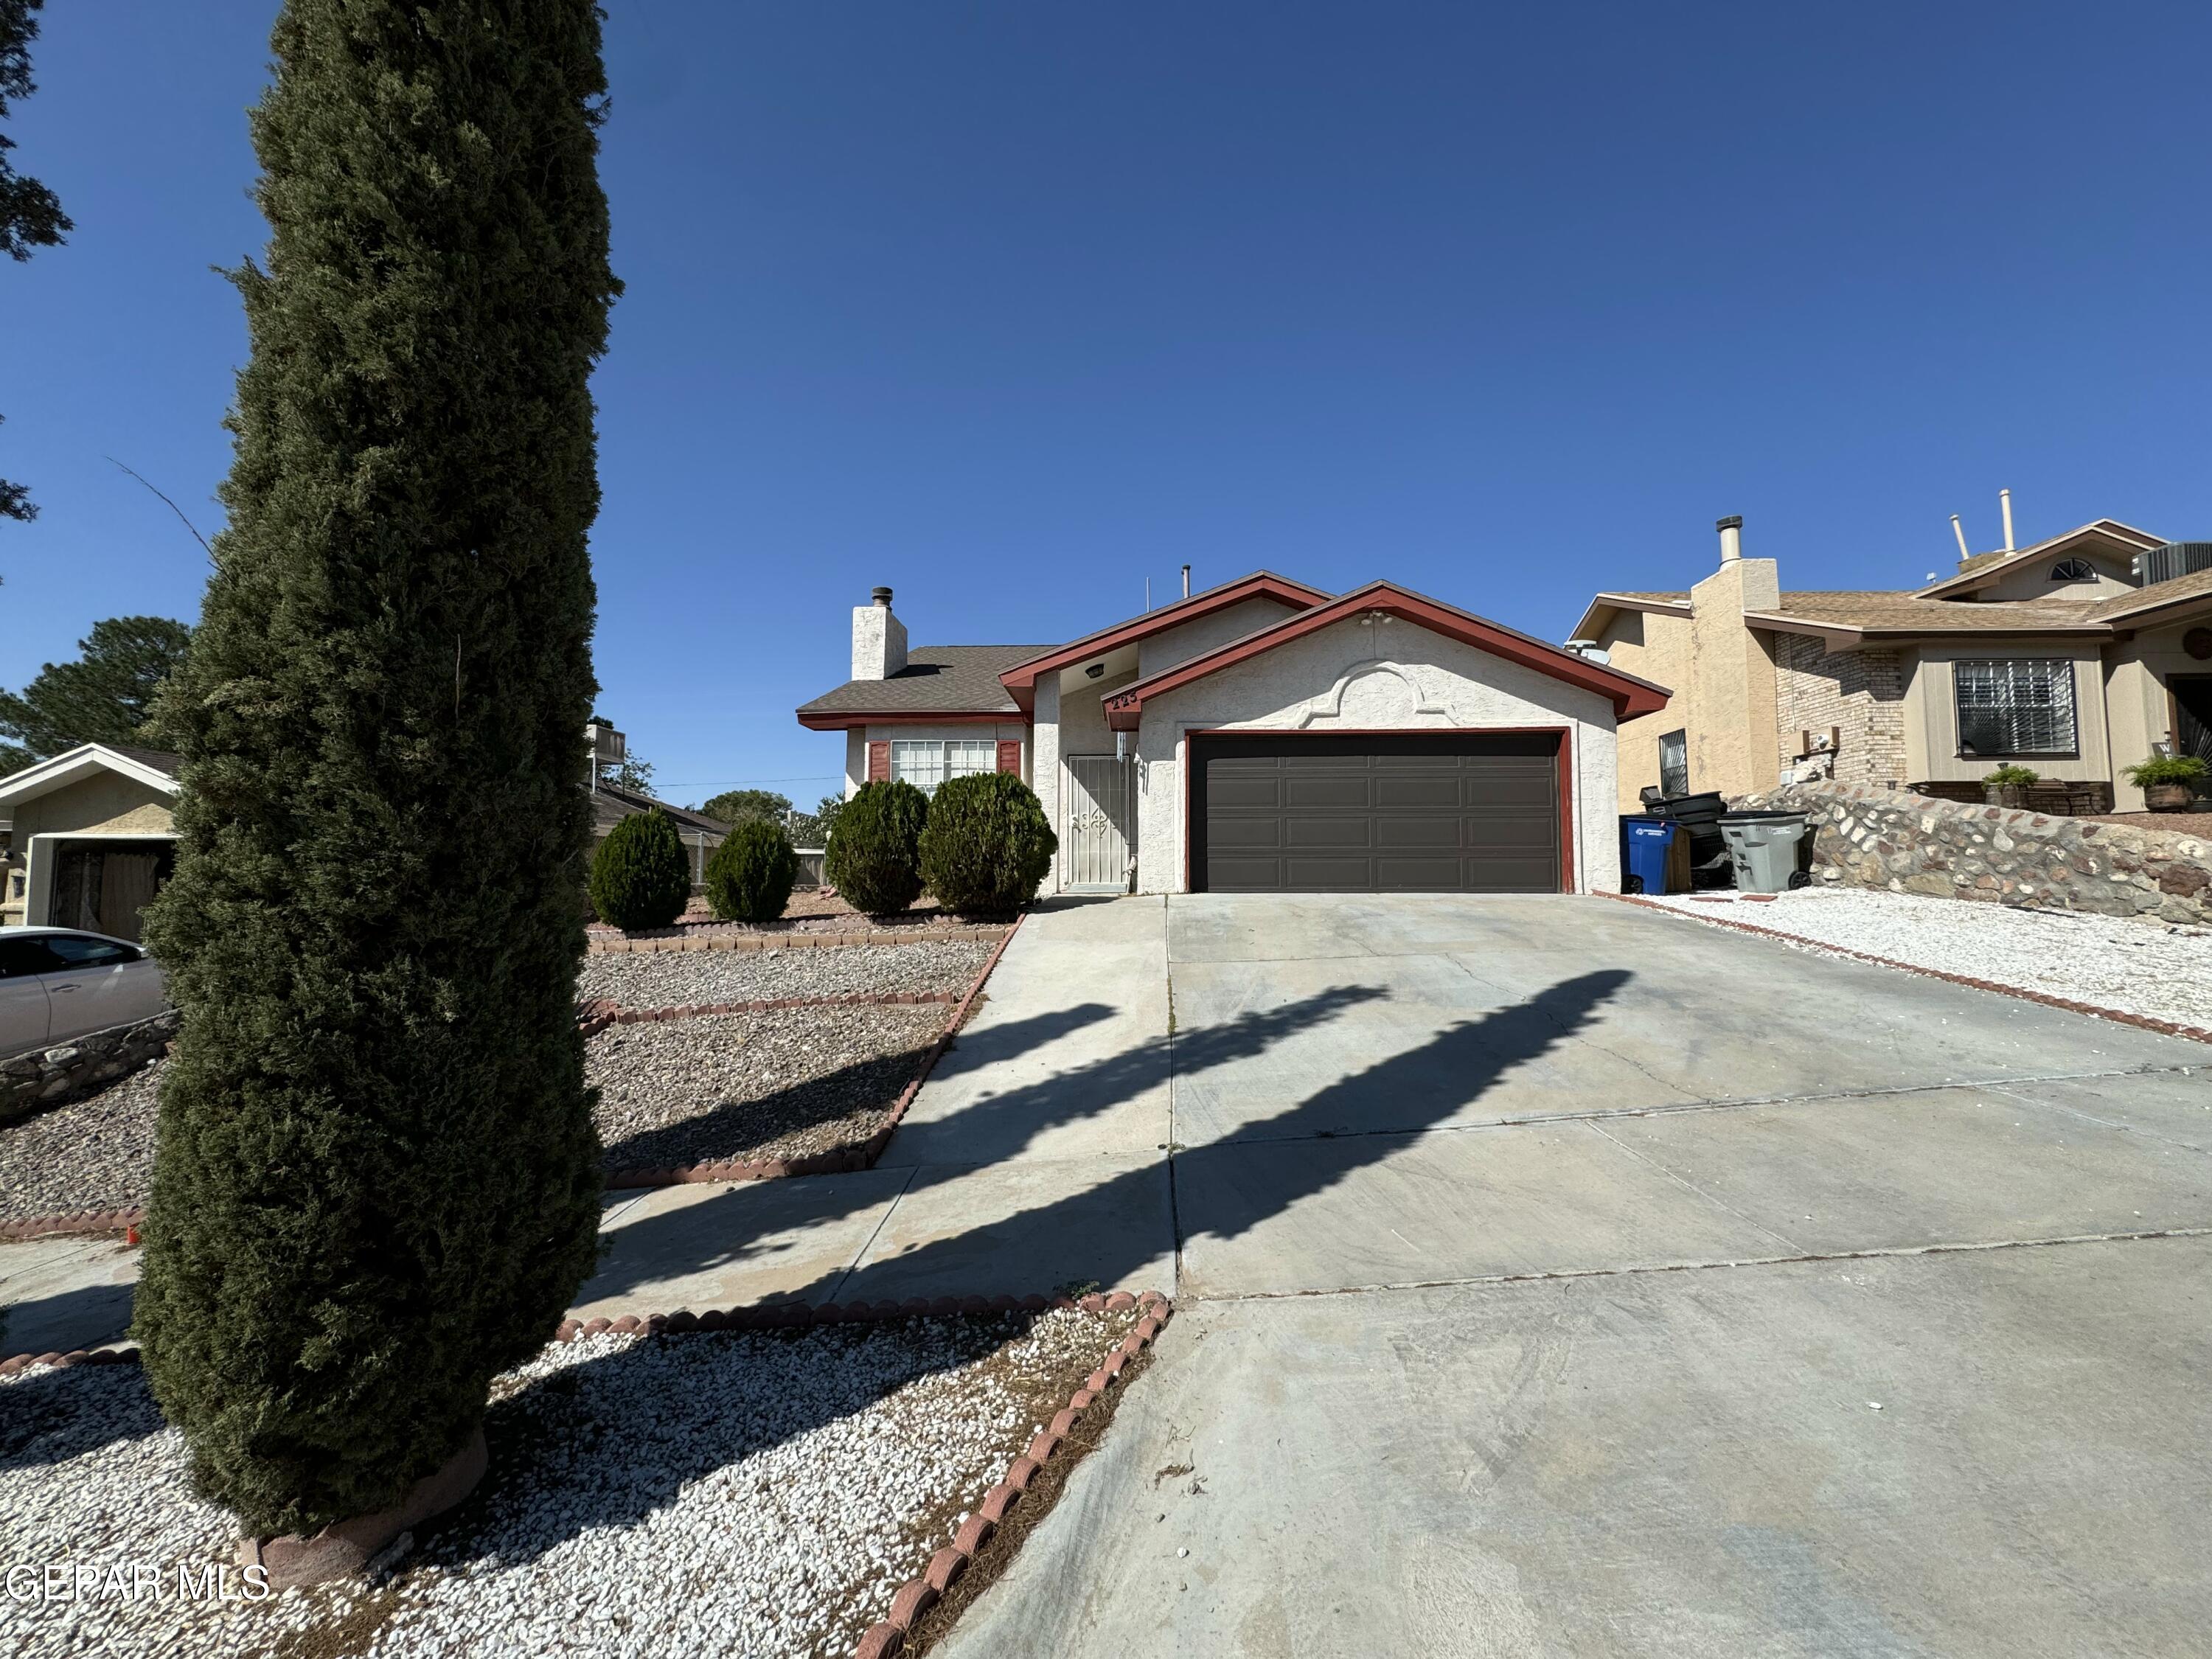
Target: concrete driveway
<point>1560,1278</point>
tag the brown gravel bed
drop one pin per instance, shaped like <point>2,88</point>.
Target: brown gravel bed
<point>96,1153</point>
<point>767,1085</point>
<point>668,979</point>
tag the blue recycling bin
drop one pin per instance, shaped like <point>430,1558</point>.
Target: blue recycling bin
<point>1646,840</point>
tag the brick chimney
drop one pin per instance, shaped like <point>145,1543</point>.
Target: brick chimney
<point>878,639</point>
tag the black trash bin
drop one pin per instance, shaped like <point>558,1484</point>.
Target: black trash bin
<point>1699,816</point>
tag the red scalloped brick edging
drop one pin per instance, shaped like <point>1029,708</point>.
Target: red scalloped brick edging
<point>2144,1022</point>
<point>74,1221</point>
<point>915,1597</point>
<point>597,1016</point>
<point>836,1160</point>
<point>696,940</point>
<point>23,1362</point>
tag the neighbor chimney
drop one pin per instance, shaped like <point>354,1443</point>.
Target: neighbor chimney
<point>1731,529</point>
<point>878,639</point>
<point>2004,501</point>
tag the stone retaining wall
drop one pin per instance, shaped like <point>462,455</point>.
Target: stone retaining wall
<point>1910,843</point>
<point>48,1077</point>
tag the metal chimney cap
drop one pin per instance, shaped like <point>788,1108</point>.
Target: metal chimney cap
<point>1733,521</point>
<point>882,596</point>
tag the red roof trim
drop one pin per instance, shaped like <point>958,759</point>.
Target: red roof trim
<point>1630,695</point>
<point>845,720</point>
<point>1021,679</point>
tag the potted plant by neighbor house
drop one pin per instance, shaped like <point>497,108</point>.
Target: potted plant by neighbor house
<point>874,855</point>
<point>2169,782</point>
<point>752,874</point>
<point>987,845</point>
<point>2008,785</point>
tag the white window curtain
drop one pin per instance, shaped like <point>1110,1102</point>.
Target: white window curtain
<point>925,763</point>
<point>2023,707</point>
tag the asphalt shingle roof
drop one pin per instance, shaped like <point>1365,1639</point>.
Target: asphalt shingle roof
<point>938,679</point>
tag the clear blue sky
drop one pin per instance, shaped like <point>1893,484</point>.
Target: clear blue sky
<point>1013,305</point>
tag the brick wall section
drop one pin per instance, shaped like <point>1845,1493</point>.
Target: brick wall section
<point>1909,843</point>
<point>1861,691</point>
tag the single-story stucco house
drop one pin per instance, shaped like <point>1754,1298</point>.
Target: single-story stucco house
<point>94,834</point>
<point>92,837</point>
<point>1265,736</point>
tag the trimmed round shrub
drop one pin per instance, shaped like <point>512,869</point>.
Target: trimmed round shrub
<point>749,877</point>
<point>874,855</point>
<point>987,845</point>
<point>641,876</point>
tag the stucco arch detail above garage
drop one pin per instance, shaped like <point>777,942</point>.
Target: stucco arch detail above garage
<point>1375,692</point>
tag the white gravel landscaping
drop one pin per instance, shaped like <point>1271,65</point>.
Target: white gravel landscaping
<point>672,979</point>
<point>2155,969</point>
<point>760,1494</point>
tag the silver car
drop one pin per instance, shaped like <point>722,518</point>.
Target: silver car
<point>56,983</point>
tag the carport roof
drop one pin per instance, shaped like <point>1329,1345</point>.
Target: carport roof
<point>1629,694</point>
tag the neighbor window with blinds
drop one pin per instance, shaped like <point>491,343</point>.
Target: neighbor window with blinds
<point>2023,707</point>
<point>925,763</point>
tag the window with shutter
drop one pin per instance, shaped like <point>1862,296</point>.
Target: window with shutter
<point>2023,707</point>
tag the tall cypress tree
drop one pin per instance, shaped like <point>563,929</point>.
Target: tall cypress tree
<point>377,1181</point>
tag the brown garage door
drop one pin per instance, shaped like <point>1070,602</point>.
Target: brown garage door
<point>1462,813</point>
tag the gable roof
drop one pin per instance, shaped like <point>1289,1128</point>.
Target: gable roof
<point>938,682</point>
<point>2157,596</point>
<point>1983,569</point>
<point>1674,604</point>
<point>1629,694</point>
<point>611,803</point>
<point>155,768</point>
<point>1020,680</point>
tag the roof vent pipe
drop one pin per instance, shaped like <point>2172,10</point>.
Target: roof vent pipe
<point>1186,582</point>
<point>1731,529</point>
<point>2004,501</point>
<point>1960,531</point>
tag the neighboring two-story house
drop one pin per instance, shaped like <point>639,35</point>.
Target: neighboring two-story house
<point>1265,736</point>
<point>2076,657</point>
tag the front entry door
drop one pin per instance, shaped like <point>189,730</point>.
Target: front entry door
<point>1095,840</point>
<point>2192,711</point>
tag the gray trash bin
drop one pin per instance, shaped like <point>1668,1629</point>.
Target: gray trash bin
<point>1770,851</point>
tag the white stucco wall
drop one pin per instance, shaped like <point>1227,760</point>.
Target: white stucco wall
<point>1393,675</point>
<point>1170,645</point>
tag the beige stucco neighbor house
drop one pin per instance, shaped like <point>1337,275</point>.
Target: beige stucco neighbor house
<point>1265,736</point>
<point>2076,657</point>
<point>92,837</point>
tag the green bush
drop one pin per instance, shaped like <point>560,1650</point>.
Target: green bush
<point>2009,774</point>
<point>748,877</point>
<point>2167,768</point>
<point>378,1185</point>
<point>987,845</point>
<point>874,855</point>
<point>641,876</point>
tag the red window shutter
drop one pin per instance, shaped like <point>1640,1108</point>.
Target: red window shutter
<point>879,762</point>
<point>1010,756</point>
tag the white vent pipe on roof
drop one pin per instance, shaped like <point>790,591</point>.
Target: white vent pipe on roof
<point>2004,501</point>
<point>1960,531</point>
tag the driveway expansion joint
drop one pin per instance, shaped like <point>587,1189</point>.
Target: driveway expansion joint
<point>1877,1252</point>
